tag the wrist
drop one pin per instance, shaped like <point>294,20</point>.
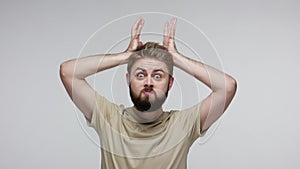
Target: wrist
<point>126,56</point>
<point>176,58</point>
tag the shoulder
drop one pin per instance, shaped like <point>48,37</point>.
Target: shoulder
<point>188,112</point>
<point>104,111</point>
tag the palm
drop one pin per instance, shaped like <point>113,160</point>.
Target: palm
<point>169,33</point>
<point>135,35</point>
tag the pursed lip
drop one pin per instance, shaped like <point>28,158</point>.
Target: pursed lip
<point>147,91</point>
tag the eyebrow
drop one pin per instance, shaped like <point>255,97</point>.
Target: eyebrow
<point>144,70</point>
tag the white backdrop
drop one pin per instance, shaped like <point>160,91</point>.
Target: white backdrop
<point>257,41</point>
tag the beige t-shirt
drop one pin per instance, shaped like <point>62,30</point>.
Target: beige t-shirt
<point>127,144</point>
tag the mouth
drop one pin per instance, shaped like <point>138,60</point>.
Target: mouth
<point>147,91</point>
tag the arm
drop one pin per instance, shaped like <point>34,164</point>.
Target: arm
<point>74,72</point>
<point>222,85</point>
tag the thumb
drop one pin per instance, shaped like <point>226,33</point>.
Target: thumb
<point>140,44</point>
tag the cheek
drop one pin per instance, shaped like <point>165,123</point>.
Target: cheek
<point>136,85</point>
<point>163,87</point>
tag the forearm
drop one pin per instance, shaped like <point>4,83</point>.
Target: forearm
<point>86,66</point>
<point>208,75</point>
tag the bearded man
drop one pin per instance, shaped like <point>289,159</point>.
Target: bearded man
<point>145,136</point>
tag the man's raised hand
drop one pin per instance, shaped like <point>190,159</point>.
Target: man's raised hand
<point>169,34</point>
<point>135,35</point>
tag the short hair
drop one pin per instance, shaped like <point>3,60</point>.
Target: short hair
<point>154,51</point>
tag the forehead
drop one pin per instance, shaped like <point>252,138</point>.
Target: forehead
<point>149,64</point>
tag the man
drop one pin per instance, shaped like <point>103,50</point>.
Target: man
<point>144,136</point>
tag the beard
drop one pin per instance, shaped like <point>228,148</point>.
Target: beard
<point>143,103</point>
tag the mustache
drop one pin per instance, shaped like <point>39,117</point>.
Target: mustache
<point>147,89</point>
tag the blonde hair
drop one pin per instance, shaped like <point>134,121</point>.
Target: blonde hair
<point>154,51</point>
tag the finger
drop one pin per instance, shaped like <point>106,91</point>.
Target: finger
<point>166,34</point>
<point>173,28</point>
<point>139,28</point>
<point>135,27</point>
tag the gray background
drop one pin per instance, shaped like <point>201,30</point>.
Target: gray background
<point>257,42</point>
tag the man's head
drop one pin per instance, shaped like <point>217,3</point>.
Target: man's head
<point>150,70</point>
<point>151,50</point>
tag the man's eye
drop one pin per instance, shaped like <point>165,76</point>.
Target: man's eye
<point>140,75</point>
<point>157,76</point>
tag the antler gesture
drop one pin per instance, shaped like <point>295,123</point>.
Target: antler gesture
<point>169,34</point>
<point>135,35</point>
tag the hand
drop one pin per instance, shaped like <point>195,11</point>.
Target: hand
<point>169,33</point>
<point>135,35</point>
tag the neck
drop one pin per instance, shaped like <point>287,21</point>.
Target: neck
<point>146,117</point>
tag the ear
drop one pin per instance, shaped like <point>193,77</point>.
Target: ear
<point>127,79</point>
<point>171,82</point>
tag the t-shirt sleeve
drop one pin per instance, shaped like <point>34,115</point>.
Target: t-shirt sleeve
<point>191,116</point>
<point>103,111</point>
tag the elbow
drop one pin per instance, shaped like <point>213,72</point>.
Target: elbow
<point>231,85</point>
<point>66,69</point>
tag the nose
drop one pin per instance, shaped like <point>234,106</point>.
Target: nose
<point>149,81</point>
